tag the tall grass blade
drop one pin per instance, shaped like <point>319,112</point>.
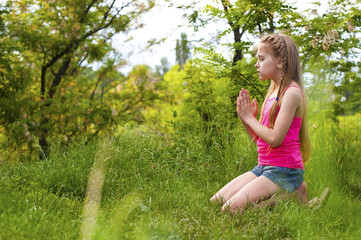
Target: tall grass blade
<point>94,189</point>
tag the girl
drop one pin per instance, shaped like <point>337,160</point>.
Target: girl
<point>281,133</point>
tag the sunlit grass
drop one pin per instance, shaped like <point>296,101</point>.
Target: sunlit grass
<point>156,187</point>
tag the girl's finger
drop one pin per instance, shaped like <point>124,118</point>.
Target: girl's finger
<point>240,100</point>
<point>244,92</point>
<point>243,98</point>
<point>248,97</point>
<point>255,104</point>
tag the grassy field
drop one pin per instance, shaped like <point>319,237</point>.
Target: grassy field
<point>146,186</point>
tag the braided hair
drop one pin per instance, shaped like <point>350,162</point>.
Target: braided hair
<point>286,50</point>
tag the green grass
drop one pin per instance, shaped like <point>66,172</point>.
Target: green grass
<point>159,188</point>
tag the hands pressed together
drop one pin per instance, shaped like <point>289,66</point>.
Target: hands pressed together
<point>246,108</point>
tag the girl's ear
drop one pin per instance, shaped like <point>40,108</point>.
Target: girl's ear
<point>279,63</point>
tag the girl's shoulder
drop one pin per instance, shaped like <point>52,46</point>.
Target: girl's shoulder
<point>293,90</point>
<point>293,98</point>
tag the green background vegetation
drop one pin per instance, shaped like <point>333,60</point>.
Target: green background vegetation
<point>99,154</point>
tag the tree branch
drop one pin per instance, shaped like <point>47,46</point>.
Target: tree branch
<point>86,11</point>
<point>76,42</point>
<point>59,75</point>
<point>250,83</point>
<point>95,88</point>
<point>108,11</point>
<point>226,4</point>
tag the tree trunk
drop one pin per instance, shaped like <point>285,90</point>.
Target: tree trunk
<point>43,142</point>
<point>238,53</point>
<point>43,131</point>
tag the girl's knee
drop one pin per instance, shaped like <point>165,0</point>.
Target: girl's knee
<point>213,199</point>
<point>233,206</point>
<point>217,198</point>
<point>227,207</point>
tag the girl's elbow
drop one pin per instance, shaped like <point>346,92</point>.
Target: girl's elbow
<point>275,143</point>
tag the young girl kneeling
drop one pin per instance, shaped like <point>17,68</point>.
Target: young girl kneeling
<point>281,133</point>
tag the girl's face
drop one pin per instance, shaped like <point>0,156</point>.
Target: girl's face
<point>268,66</point>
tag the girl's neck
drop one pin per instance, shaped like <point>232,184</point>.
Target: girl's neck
<point>276,82</point>
<point>273,91</point>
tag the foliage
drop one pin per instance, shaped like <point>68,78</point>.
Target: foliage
<point>164,112</point>
<point>159,187</point>
<point>48,45</point>
<point>329,46</point>
<point>347,137</point>
<point>16,93</point>
<point>139,92</point>
<point>207,104</point>
<point>50,92</point>
<point>197,100</point>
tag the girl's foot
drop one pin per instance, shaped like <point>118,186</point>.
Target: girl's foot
<point>317,202</point>
<point>299,195</point>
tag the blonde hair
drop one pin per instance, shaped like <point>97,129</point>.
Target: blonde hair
<point>284,48</point>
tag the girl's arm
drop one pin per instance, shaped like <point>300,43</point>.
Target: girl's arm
<point>251,134</point>
<point>274,137</point>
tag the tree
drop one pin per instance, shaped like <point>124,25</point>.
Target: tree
<point>138,92</point>
<point>330,41</point>
<point>14,75</point>
<point>182,50</point>
<point>60,38</point>
<point>163,68</point>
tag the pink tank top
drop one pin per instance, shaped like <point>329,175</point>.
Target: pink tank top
<point>288,154</point>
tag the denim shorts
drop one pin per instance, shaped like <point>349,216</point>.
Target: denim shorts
<point>288,179</point>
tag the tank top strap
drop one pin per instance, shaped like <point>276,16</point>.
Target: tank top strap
<point>303,96</point>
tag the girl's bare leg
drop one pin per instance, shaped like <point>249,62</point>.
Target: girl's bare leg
<point>229,190</point>
<point>300,195</point>
<point>259,189</point>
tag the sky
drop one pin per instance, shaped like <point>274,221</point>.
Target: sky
<point>164,22</point>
